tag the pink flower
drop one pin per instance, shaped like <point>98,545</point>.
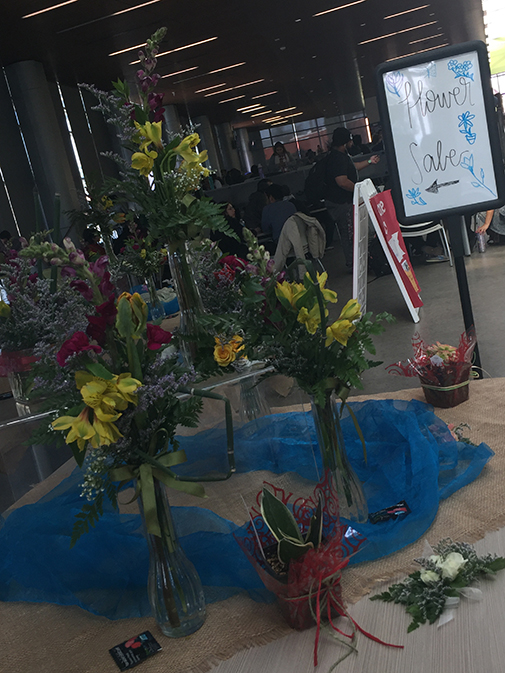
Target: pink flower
<point>156,337</point>
<point>78,343</point>
<point>100,266</point>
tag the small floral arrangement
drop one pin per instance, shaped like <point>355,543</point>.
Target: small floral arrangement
<point>140,256</point>
<point>426,593</point>
<point>443,370</point>
<point>165,169</point>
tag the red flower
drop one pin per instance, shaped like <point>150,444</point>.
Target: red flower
<point>233,262</point>
<point>226,274</point>
<point>105,286</point>
<point>82,287</point>
<point>108,310</point>
<point>157,336</point>
<point>78,343</point>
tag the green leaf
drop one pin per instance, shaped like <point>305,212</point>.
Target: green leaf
<point>290,550</point>
<point>315,532</point>
<point>278,517</point>
<point>99,370</point>
<point>496,564</point>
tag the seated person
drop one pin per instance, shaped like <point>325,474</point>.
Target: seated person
<point>257,201</point>
<point>281,160</point>
<point>493,223</point>
<point>226,243</point>
<point>276,212</point>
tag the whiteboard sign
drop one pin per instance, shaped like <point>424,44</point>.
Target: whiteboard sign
<point>440,133</point>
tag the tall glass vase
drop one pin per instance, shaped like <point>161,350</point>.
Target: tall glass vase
<point>174,587</point>
<point>156,307</point>
<point>352,501</point>
<point>188,295</point>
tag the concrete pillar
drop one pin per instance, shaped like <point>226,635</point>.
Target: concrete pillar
<point>204,130</point>
<point>38,119</point>
<point>244,151</point>
<point>227,146</point>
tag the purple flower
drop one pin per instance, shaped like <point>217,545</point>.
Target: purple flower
<point>77,258</point>
<point>83,288</point>
<point>100,266</point>
<point>68,271</point>
<point>158,115</point>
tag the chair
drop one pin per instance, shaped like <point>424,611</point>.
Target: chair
<point>300,236</point>
<point>425,228</point>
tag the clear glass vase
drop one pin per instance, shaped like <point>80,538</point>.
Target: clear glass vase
<point>190,301</point>
<point>155,305</point>
<point>352,502</point>
<point>174,587</point>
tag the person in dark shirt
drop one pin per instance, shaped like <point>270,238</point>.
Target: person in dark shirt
<point>254,209</point>
<point>341,176</point>
<point>227,244</point>
<point>276,212</point>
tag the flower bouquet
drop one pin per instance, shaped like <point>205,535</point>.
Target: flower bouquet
<point>443,370</point>
<point>431,593</point>
<point>291,332</point>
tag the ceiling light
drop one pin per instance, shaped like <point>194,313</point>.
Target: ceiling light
<point>107,16</point>
<point>48,9</point>
<point>231,88</point>
<point>287,109</point>
<point>179,72</point>
<point>261,95</point>
<point>418,52</point>
<point>407,11</point>
<point>216,86</point>
<point>249,107</point>
<point>215,93</point>
<point>272,119</point>
<point>230,99</point>
<point>256,81</point>
<point>335,9</point>
<point>171,51</point>
<point>425,39</point>
<point>405,30</point>
<point>122,51</point>
<point>228,67</point>
<point>260,114</point>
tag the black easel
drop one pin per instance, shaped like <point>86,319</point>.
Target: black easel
<point>454,224</point>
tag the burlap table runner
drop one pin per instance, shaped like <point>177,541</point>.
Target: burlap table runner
<point>40,638</point>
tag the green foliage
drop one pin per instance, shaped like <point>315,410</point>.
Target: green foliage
<point>87,518</point>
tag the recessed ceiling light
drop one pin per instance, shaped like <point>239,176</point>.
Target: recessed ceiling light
<point>107,16</point>
<point>216,86</point>
<point>407,11</point>
<point>230,99</point>
<point>254,109</point>
<point>425,39</point>
<point>398,32</point>
<point>261,95</point>
<point>260,114</point>
<point>335,9</point>
<point>231,88</point>
<point>216,93</point>
<point>286,109</point>
<point>171,51</point>
<point>228,67</point>
<point>179,72</point>
<point>248,107</point>
<point>297,20</point>
<point>48,9</point>
<point>417,52</point>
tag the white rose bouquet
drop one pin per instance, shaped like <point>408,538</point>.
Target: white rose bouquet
<point>428,592</point>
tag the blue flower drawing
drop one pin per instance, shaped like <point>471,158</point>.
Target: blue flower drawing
<point>468,164</point>
<point>431,70</point>
<point>460,69</point>
<point>465,121</point>
<point>414,195</point>
<point>393,82</point>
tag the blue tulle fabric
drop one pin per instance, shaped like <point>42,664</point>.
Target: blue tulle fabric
<point>411,456</point>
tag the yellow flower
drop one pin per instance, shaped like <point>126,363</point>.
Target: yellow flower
<point>143,162</point>
<point>81,429</point>
<point>132,314</point>
<point>351,311</point>
<point>184,148</point>
<point>5,309</point>
<point>107,433</point>
<point>143,253</point>
<point>328,295</point>
<point>311,319</point>
<point>106,202</point>
<point>107,397</point>
<point>340,331</point>
<point>289,291</point>
<point>237,343</point>
<point>149,133</point>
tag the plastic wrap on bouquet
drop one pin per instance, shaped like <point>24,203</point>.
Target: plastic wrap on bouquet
<point>444,371</point>
<point>312,583</point>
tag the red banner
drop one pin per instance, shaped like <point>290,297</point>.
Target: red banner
<point>384,210</point>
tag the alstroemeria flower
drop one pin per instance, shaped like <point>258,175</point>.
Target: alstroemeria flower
<point>107,397</point>
<point>290,291</point>
<point>351,311</point>
<point>78,343</point>
<point>311,319</point>
<point>132,311</point>
<point>328,295</point>
<point>157,337</point>
<point>149,133</point>
<point>237,343</point>
<point>340,331</point>
<point>81,430</point>
<point>144,162</point>
<point>5,309</point>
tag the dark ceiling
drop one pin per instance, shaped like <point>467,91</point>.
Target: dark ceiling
<point>315,64</point>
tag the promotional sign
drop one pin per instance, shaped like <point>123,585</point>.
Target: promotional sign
<point>378,208</point>
<point>384,210</point>
<point>440,133</point>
